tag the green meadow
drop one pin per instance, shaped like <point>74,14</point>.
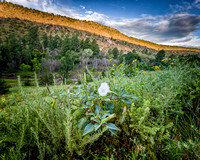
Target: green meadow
<point>128,113</point>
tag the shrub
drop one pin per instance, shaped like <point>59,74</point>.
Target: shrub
<point>4,87</point>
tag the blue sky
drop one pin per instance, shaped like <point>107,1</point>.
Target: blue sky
<point>170,22</point>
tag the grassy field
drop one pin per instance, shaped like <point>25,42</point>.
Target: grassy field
<point>144,115</point>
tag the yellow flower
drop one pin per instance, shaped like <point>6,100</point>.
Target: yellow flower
<point>121,64</point>
<point>159,65</point>
<point>172,63</point>
<point>163,59</point>
<point>134,60</point>
<point>3,99</point>
<point>110,59</point>
<point>135,68</point>
<point>169,58</point>
<point>173,59</point>
<point>113,64</point>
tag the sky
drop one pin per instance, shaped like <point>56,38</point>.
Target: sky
<point>168,22</point>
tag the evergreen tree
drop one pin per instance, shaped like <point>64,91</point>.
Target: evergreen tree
<point>33,38</point>
<point>45,41</point>
<point>115,53</point>
<point>75,46</point>
<point>95,48</point>
<point>66,44</point>
<point>87,43</point>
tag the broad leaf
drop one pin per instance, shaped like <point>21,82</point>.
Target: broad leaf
<point>85,107</point>
<point>96,126</point>
<point>88,103</point>
<point>89,128</point>
<point>82,123</point>
<point>97,110</point>
<point>127,101</point>
<point>123,91</point>
<point>112,126</point>
<point>90,114</point>
<point>105,115</point>
<point>125,95</point>
<point>95,119</point>
<point>134,97</point>
<point>113,132</point>
<point>107,99</point>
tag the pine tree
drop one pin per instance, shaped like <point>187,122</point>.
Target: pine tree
<point>95,48</point>
<point>66,44</point>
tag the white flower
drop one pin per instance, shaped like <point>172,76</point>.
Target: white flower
<point>104,89</point>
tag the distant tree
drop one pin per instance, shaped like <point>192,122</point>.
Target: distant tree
<point>73,56</point>
<point>75,45</point>
<point>45,41</point>
<point>36,64</point>
<point>33,38</point>
<point>24,68</point>
<point>66,44</point>
<point>115,53</point>
<point>66,66</point>
<point>87,43</point>
<point>86,54</point>
<point>159,56</point>
<point>129,57</point>
<point>95,48</point>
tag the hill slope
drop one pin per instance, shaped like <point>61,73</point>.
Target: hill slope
<point>9,10</point>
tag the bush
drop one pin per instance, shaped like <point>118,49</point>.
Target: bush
<point>4,87</point>
<point>27,82</point>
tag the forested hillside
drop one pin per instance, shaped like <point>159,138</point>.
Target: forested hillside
<point>9,10</point>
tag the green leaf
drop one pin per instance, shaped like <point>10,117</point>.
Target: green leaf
<point>82,123</point>
<point>112,126</point>
<point>134,97</point>
<point>125,95</point>
<point>85,107</point>
<point>107,99</point>
<point>113,132</point>
<point>123,91</point>
<point>97,110</point>
<point>105,115</point>
<point>89,128</point>
<point>96,126</point>
<point>127,101</point>
<point>88,103</point>
<point>95,119</point>
<point>90,114</point>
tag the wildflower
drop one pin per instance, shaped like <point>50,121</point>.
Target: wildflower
<point>134,60</point>
<point>172,63</point>
<point>169,58</point>
<point>163,59</point>
<point>110,59</point>
<point>3,99</point>
<point>121,64</point>
<point>159,66</point>
<point>113,64</point>
<point>104,89</point>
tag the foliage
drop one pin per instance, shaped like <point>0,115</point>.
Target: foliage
<point>4,87</point>
<point>152,115</point>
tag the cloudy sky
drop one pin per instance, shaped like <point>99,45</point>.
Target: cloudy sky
<point>170,22</point>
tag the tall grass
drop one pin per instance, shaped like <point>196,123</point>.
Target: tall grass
<point>162,123</point>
